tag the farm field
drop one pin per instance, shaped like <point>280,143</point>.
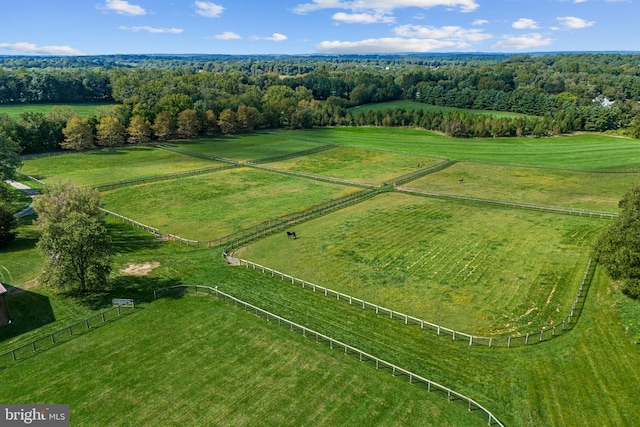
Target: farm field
<point>83,110</point>
<point>357,164</point>
<point>234,368</point>
<point>413,105</point>
<point>220,365</point>
<point>251,146</point>
<point>541,186</point>
<point>463,266</point>
<point>214,205</point>
<point>105,166</point>
<point>580,152</point>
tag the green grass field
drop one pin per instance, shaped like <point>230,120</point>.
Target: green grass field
<point>413,105</point>
<point>252,146</point>
<point>105,166</point>
<point>587,151</point>
<point>200,362</point>
<point>357,164</point>
<point>214,205</point>
<point>83,110</point>
<point>477,269</point>
<point>542,186</point>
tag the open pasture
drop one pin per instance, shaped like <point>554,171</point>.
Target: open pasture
<point>208,363</point>
<point>474,268</point>
<point>357,164</point>
<point>587,151</point>
<point>105,166</point>
<point>252,146</point>
<point>599,191</point>
<point>83,110</point>
<point>214,205</point>
<point>413,105</point>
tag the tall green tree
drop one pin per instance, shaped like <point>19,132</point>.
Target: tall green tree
<point>618,247</point>
<point>164,127</point>
<point>8,224</point>
<point>9,156</point>
<point>78,134</point>
<point>110,132</point>
<point>73,238</point>
<point>139,130</point>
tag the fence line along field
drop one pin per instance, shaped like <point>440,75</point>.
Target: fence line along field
<point>541,186</point>
<point>213,205</point>
<point>234,368</point>
<point>584,152</point>
<point>109,165</point>
<point>481,269</point>
<point>358,164</point>
<point>249,147</point>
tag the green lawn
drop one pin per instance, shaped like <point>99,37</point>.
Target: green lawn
<point>83,110</point>
<point>474,268</point>
<point>250,146</point>
<point>199,361</point>
<point>357,164</point>
<point>105,166</point>
<point>214,205</point>
<point>550,187</point>
<point>413,105</point>
<point>587,151</point>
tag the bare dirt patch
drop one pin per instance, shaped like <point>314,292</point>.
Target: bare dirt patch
<point>139,269</point>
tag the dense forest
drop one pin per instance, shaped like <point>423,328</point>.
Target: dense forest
<point>162,97</point>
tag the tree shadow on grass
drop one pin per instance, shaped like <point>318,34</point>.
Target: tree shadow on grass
<point>28,311</point>
<point>138,288</point>
<point>127,239</point>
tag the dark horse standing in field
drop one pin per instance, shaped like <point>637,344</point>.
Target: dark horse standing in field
<point>291,234</point>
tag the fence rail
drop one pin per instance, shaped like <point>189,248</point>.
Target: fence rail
<point>324,178</point>
<point>554,209</point>
<point>157,178</point>
<point>130,221</point>
<point>61,335</point>
<point>403,179</point>
<point>288,156</point>
<point>196,154</point>
<point>472,339</point>
<point>30,178</point>
<point>413,378</point>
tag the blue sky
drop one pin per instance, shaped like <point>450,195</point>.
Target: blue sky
<point>95,27</point>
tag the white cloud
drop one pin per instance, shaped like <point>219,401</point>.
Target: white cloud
<point>523,42</point>
<point>384,5</point>
<point>525,24</point>
<point>580,1</point>
<point>573,23</point>
<point>363,18</point>
<point>123,7</point>
<point>478,22</point>
<point>45,50</point>
<point>153,30</point>
<point>208,9</point>
<point>227,35</point>
<point>449,33</point>
<point>384,45</point>
<point>275,37</point>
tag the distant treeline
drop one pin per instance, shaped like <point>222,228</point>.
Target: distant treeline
<point>186,96</point>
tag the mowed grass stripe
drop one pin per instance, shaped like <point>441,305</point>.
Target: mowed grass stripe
<point>548,187</point>
<point>106,166</point>
<point>526,280</point>
<point>582,151</point>
<point>361,165</point>
<point>210,206</point>
<point>247,147</point>
<point>199,361</point>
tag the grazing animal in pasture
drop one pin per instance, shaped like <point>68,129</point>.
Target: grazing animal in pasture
<point>291,235</point>
<point>460,180</point>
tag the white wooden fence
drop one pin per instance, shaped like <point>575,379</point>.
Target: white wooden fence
<point>471,339</point>
<point>413,378</point>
